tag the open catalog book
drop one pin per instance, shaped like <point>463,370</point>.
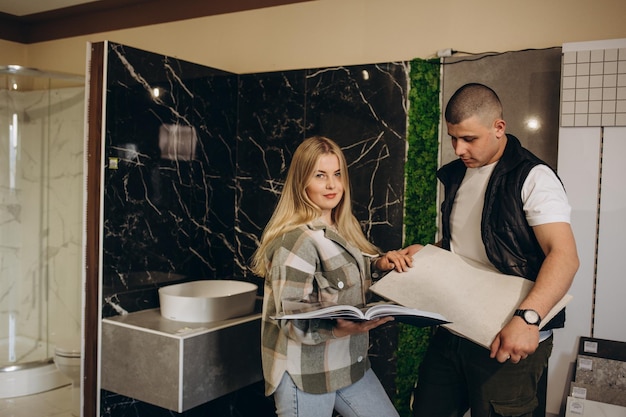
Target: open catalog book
<point>478,301</point>
<point>301,310</point>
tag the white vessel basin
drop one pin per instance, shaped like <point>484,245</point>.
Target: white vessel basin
<point>207,300</point>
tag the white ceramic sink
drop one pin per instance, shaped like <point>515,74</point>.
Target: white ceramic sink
<point>207,300</point>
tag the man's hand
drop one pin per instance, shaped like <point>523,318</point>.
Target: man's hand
<point>412,249</point>
<point>515,341</point>
<point>395,259</point>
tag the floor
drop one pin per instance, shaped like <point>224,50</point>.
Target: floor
<point>54,403</point>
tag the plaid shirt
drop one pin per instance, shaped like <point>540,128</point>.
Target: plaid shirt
<point>313,263</point>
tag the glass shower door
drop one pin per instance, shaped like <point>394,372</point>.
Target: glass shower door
<point>23,163</point>
<point>41,157</point>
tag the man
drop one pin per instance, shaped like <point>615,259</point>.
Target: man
<point>507,209</point>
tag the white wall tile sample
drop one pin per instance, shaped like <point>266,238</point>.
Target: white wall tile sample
<point>593,84</point>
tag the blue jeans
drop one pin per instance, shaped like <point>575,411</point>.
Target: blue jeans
<point>364,398</point>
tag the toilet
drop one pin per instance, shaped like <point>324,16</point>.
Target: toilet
<point>67,358</point>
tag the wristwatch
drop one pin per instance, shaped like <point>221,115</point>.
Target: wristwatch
<point>530,316</point>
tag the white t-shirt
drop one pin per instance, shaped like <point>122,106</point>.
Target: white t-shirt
<point>543,197</point>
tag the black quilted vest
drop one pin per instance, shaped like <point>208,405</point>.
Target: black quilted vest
<point>509,241</point>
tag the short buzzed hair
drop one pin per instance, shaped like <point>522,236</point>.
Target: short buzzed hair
<point>473,100</point>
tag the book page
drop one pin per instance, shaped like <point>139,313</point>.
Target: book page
<point>322,310</point>
<point>299,309</point>
<point>477,301</point>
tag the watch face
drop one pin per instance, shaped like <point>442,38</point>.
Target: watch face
<point>531,316</point>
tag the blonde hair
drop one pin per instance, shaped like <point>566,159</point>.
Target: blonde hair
<point>295,208</point>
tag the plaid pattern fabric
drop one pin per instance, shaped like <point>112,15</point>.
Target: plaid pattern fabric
<point>313,263</point>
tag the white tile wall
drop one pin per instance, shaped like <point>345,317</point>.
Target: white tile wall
<point>593,86</point>
<point>593,104</point>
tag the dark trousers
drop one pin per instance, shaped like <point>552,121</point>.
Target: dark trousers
<point>457,375</point>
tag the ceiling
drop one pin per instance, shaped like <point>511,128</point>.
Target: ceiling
<point>26,7</point>
<point>31,21</point>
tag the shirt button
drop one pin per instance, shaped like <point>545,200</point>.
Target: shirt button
<point>359,359</point>
<point>340,284</point>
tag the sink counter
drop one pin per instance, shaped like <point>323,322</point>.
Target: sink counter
<point>151,320</point>
<point>179,365</point>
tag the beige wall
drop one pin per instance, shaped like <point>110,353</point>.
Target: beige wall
<point>346,32</point>
<point>12,53</point>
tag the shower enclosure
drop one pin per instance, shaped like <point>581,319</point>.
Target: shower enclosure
<point>41,196</point>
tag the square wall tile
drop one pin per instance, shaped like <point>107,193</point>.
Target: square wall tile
<point>580,120</point>
<point>582,81</point>
<point>610,67</point>
<point>595,120</point>
<point>570,70</point>
<point>569,57</point>
<point>608,107</point>
<point>610,55</point>
<point>582,69</point>
<point>567,120</point>
<point>595,107</point>
<point>583,56</point>
<point>596,81</point>
<point>570,94</point>
<point>609,80</point>
<point>595,94</point>
<point>568,107</point>
<point>569,83</point>
<point>597,55</point>
<point>596,68</point>
<point>608,119</point>
<point>609,93</point>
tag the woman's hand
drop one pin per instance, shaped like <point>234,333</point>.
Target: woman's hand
<point>348,327</point>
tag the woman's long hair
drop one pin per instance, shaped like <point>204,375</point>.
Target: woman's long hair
<point>295,208</point>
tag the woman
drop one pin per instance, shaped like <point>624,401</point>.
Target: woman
<point>313,250</point>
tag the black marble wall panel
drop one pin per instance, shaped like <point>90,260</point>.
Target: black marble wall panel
<point>271,125</point>
<point>361,107</point>
<point>174,212</point>
<point>169,177</point>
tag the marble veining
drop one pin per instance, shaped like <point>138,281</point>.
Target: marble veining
<point>192,175</point>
